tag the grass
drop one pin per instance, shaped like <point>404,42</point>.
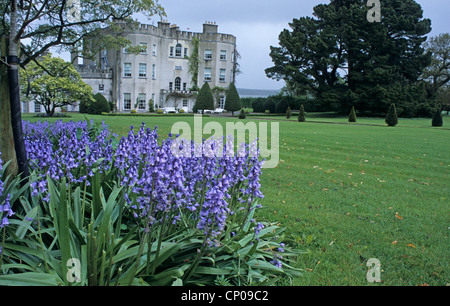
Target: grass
<point>351,192</point>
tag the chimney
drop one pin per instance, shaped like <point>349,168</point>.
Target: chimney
<point>210,27</point>
<point>164,24</point>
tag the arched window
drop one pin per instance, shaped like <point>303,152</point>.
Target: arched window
<point>178,50</point>
<point>177,83</point>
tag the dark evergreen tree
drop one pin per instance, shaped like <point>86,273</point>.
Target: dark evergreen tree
<point>315,50</point>
<point>301,114</point>
<point>391,117</point>
<point>232,99</point>
<point>288,113</point>
<point>270,105</point>
<point>352,115</point>
<point>437,118</point>
<point>242,114</point>
<point>205,99</point>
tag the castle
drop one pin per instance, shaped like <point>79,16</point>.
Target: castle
<point>161,76</point>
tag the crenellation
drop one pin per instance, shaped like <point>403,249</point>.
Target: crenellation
<point>162,74</point>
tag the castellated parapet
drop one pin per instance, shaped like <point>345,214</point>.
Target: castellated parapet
<point>161,77</point>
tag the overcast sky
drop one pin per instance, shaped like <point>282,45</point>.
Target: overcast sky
<point>257,24</point>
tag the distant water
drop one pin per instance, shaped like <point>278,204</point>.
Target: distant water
<point>256,93</point>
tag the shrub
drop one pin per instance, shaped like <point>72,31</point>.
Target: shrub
<point>84,105</point>
<point>267,111</point>
<point>352,115</point>
<point>242,114</point>
<point>133,111</point>
<point>282,105</point>
<point>99,105</point>
<point>233,101</point>
<point>181,111</point>
<point>270,105</point>
<point>258,105</point>
<point>205,98</point>
<point>288,113</point>
<point>301,114</point>
<point>437,118</point>
<point>391,117</point>
<point>159,111</point>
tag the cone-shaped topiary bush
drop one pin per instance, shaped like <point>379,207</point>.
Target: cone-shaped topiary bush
<point>288,113</point>
<point>205,99</point>
<point>232,100</point>
<point>391,117</point>
<point>352,115</point>
<point>437,118</point>
<point>242,114</point>
<point>301,114</point>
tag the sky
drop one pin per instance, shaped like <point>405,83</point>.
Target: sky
<point>257,24</point>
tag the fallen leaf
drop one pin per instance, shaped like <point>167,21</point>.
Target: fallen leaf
<point>411,245</point>
<point>398,217</point>
<point>394,242</point>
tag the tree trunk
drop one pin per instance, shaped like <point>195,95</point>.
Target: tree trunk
<point>6,132</point>
<point>14,95</point>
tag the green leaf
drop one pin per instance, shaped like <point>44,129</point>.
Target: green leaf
<point>30,279</point>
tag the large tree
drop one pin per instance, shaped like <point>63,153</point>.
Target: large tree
<point>44,24</point>
<point>437,74</point>
<point>54,83</point>
<point>339,50</point>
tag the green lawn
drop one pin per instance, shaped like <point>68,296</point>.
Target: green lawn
<point>351,192</point>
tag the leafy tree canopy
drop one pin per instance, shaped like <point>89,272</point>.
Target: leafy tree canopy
<point>338,50</point>
<point>54,83</point>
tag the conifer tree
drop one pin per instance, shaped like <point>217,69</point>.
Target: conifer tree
<point>205,99</point>
<point>437,118</point>
<point>391,117</point>
<point>301,114</point>
<point>352,116</point>
<point>232,99</point>
<point>288,113</point>
<point>242,114</point>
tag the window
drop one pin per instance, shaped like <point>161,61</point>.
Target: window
<point>178,68</point>
<point>208,54</point>
<point>185,103</point>
<point>170,86</point>
<point>154,71</point>
<point>185,52</point>
<point>144,47</point>
<point>142,70</point>
<point>207,74</point>
<point>37,108</point>
<point>178,49</point>
<point>171,51</point>
<point>223,55</point>
<point>154,50</point>
<point>127,70</point>
<point>126,101</point>
<point>222,102</point>
<point>222,76</point>
<point>141,101</point>
<point>177,84</point>
<point>101,87</point>
<point>184,86</point>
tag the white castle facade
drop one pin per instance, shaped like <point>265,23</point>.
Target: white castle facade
<point>161,77</point>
